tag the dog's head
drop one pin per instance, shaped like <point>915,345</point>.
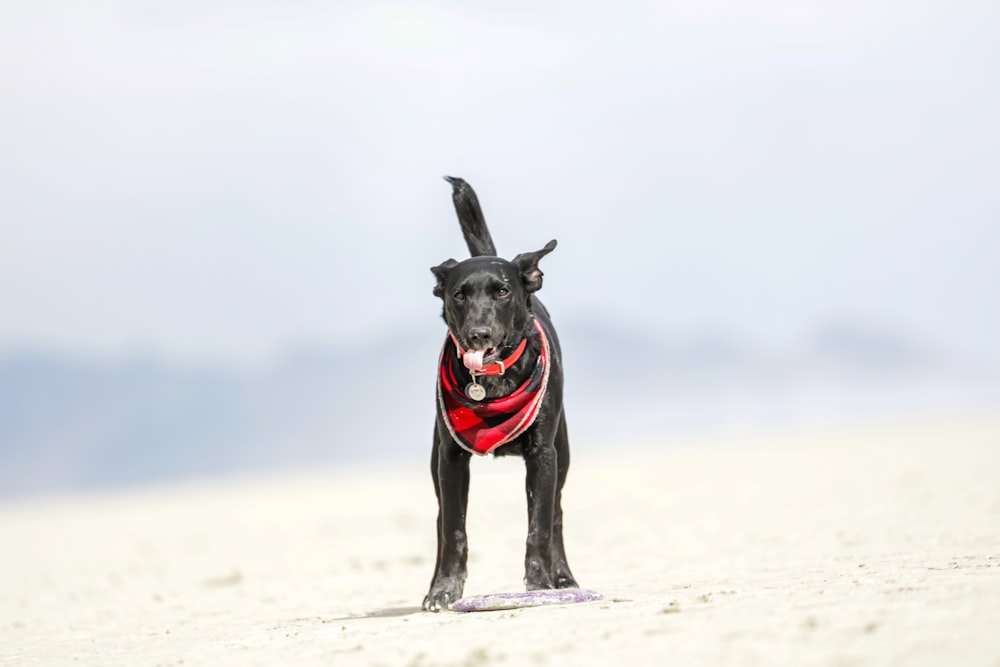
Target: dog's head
<point>487,299</point>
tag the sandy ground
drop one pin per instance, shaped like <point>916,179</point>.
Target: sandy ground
<point>867,547</point>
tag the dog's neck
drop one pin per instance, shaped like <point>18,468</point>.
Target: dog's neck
<point>498,367</point>
<point>515,373</point>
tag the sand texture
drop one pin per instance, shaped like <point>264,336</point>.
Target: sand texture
<point>867,547</point>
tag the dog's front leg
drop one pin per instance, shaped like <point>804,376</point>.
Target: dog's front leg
<point>452,480</point>
<point>541,463</point>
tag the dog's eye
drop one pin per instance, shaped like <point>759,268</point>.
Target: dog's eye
<point>459,296</point>
<point>502,292</point>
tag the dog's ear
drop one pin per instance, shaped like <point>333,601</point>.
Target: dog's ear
<point>441,272</point>
<point>527,264</point>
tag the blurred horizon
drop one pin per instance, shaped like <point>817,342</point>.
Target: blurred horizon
<point>73,424</point>
<point>217,219</point>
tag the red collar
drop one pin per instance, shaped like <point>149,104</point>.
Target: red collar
<point>497,367</point>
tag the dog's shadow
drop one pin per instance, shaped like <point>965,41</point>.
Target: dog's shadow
<point>393,612</point>
<point>386,612</point>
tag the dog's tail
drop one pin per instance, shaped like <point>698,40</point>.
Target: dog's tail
<point>470,216</point>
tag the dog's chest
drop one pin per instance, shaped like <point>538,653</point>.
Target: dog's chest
<point>498,386</point>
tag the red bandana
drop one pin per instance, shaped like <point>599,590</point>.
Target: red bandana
<point>482,426</point>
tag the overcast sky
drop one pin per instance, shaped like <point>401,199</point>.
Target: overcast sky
<point>229,180</point>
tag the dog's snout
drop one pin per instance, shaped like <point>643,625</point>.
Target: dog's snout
<point>481,337</point>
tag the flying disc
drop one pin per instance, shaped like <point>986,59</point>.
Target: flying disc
<point>498,601</point>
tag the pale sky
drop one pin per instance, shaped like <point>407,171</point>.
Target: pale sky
<point>227,180</point>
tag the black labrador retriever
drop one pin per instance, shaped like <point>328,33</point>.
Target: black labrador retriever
<point>500,391</point>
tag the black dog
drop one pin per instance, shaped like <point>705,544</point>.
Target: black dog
<point>500,390</point>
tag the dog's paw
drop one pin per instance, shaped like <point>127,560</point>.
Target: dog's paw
<point>566,580</point>
<point>438,601</point>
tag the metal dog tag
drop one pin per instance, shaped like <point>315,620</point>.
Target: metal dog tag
<point>475,391</point>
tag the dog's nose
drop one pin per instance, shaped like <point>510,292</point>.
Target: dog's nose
<point>480,337</point>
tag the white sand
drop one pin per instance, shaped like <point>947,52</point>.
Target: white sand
<point>849,548</point>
